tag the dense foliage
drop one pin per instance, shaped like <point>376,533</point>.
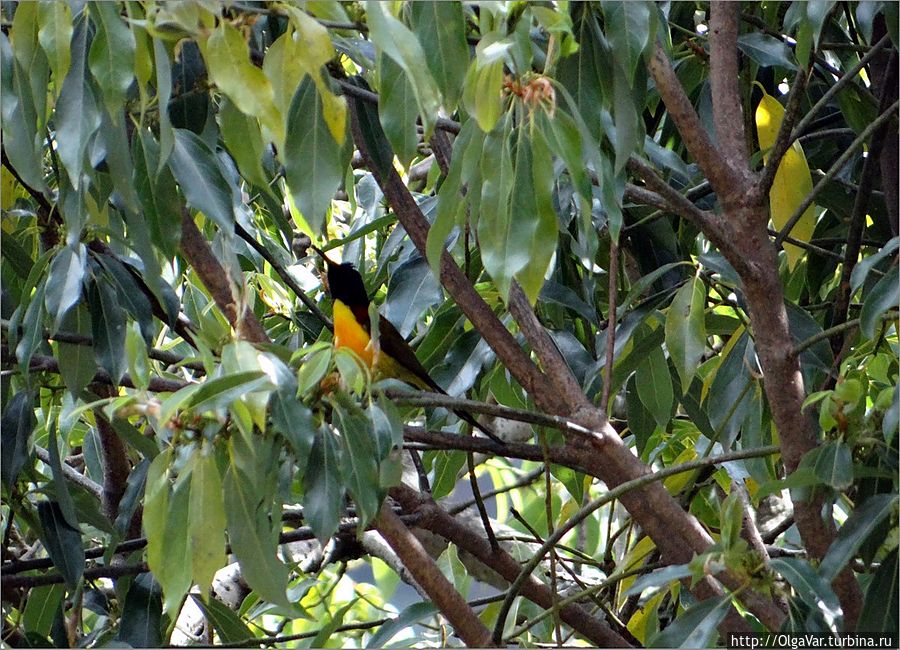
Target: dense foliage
<point>653,244</point>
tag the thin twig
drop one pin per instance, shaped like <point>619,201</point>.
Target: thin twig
<point>610,331</point>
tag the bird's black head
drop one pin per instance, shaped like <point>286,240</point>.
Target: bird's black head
<point>346,284</point>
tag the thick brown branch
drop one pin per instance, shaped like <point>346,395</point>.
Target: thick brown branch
<point>426,573</point>
<point>727,184</point>
<point>452,278</point>
<point>724,79</point>
<point>200,256</point>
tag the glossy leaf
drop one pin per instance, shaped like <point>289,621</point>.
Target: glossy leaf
<point>244,141</point>
<point>654,386</point>
<point>359,468</point>
<point>141,623</point>
<point>440,28</point>
<point>879,612</point>
<point>62,541</point>
<point>502,251</point>
<point>111,57</point>
<point>765,50</point>
<point>202,183</point>
<point>228,61</point>
<point>250,530</point>
<point>76,362</point>
<point>811,588</point>
<point>883,296</point>
<point>696,627</point>
<point>397,109</point>
<point>55,35</point>
<point>230,628</point>
<point>630,28</point>
<point>312,158</point>
<point>834,465</point>
<point>15,428</point>
<point>157,193</point>
<point>206,514</point>
<point>686,330</point>
<point>108,326</point>
<point>859,525</point>
<point>412,289</point>
<point>394,39</point>
<point>64,282</point>
<point>77,113</point>
<point>323,491</point>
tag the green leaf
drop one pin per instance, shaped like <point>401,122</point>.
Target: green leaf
<point>629,132</point>
<point>156,191</point>
<point>879,612</point>
<point>544,222</point>
<point>686,330</point>
<point>32,66</point>
<point>55,35</point>
<point>133,495</point>
<point>861,270</point>
<point>659,578</point>
<point>883,296</point>
<point>141,623</point>
<point>76,362</point>
<point>696,626</point>
<point>250,529</point>
<point>631,28</point>
<point>447,465</point>
<point>229,626</point>
<point>164,89</point>
<point>206,514</point>
<point>394,39</point>
<point>441,29</point>
<point>61,489</point>
<point>654,386</point>
<point>411,290</point>
<point>108,326</point>
<point>834,465</point>
<point>323,490</point>
<point>859,525</point>
<point>359,466</point>
<point>498,235</point>
<point>43,605</point>
<point>77,114</point>
<point>64,282</point>
<point>198,173</point>
<point>586,73</point>
<point>222,391</point>
<point>62,541</point>
<point>33,327</point>
<point>313,370</point>
<point>111,58</point>
<point>165,519</point>
<point>228,62</point>
<point>312,159</point>
<point>397,109</point>
<point>451,207</point>
<point>482,94</point>
<point>294,421</point>
<point>16,427</point>
<point>410,615</point>
<point>766,50</point>
<point>284,67</point>
<point>244,141</point>
<point>811,588</point>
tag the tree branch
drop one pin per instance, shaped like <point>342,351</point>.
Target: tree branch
<point>435,519</point>
<point>426,573</point>
<point>200,256</point>
<point>724,78</point>
<point>728,184</point>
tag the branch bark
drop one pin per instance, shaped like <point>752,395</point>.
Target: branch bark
<point>724,78</point>
<point>200,256</point>
<point>426,573</point>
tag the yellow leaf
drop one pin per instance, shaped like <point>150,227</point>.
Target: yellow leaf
<point>793,182</point>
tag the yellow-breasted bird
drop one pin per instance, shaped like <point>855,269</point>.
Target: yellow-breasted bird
<point>352,329</point>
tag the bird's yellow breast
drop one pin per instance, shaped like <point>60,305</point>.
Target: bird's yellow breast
<point>348,333</point>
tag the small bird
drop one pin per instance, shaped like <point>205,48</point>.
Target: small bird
<point>352,329</point>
